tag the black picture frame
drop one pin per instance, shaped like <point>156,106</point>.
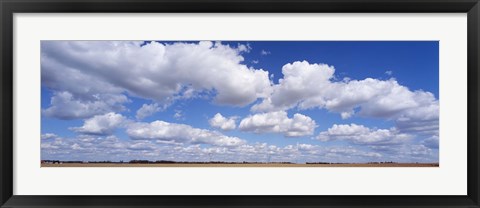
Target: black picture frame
<point>9,7</point>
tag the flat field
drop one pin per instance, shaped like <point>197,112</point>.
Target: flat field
<point>240,165</point>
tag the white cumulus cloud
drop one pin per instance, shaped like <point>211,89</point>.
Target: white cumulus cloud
<point>65,106</point>
<point>181,133</point>
<point>101,124</point>
<point>147,110</point>
<point>278,122</point>
<point>359,134</point>
<point>221,122</point>
<point>307,86</point>
<point>159,72</point>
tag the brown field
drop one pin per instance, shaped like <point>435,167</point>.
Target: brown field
<point>240,165</point>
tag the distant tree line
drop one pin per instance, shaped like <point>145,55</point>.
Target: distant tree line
<point>195,162</point>
<point>327,163</point>
<point>160,162</point>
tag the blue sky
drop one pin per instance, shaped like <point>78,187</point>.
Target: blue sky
<point>294,101</point>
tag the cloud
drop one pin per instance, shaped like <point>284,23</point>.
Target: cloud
<point>179,115</point>
<point>389,73</point>
<point>423,119</point>
<point>300,81</point>
<point>86,147</point>
<point>278,122</point>
<point>98,148</point>
<point>418,151</point>
<point>65,106</point>
<point>141,145</point>
<point>92,80</point>
<point>218,121</point>
<point>181,133</point>
<point>244,48</point>
<point>359,134</point>
<point>408,153</point>
<point>101,124</point>
<point>147,110</point>
<point>384,144</point>
<point>307,86</point>
<point>264,53</point>
<point>94,147</point>
<point>48,136</point>
<point>159,72</point>
<point>350,151</point>
<point>431,142</point>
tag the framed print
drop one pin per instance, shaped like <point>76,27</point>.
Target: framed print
<point>239,104</point>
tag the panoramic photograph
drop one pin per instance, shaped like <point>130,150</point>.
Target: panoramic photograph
<point>239,103</point>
